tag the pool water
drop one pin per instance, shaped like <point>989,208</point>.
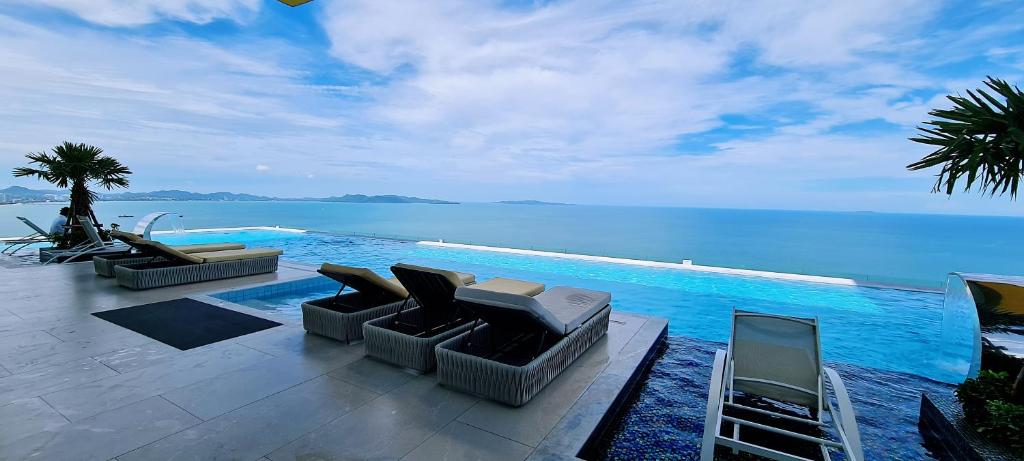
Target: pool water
<point>880,328</point>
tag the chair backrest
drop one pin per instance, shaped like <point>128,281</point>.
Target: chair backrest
<point>90,230</point>
<point>364,281</point>
<point>33,225</point>
<point>777,357</point>
<point>433,290</point>
<point>153,248</point>
<point>509,312</point>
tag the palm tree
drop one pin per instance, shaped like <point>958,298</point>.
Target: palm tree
<point>980,137</point>
<point>76,165</point>
<point>983,138</point>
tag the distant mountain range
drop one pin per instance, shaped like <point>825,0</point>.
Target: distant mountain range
<point>529,202</point>
<point>24,194</point>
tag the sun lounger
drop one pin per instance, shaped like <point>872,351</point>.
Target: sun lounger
<point>177,268</point>
<point>38,235</point>
<point>778,358</point>
<point>407,338</point>
<point>104,265</point>
<point>341,316</point>
<point>524,344</point>
<point>95,245</point>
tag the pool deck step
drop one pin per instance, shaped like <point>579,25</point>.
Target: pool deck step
<point>73,383</point>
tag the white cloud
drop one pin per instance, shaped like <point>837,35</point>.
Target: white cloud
<point>593,102</point>
<point>262,167</point>
<point>138,12</point>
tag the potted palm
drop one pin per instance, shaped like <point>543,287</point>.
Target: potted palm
<point>980,145</point>
<point>76,166</point>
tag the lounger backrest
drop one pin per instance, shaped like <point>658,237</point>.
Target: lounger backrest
<point>126,237</point>
<point>90,231</point>
<point>153,248</point>
<point>508,311</point>
<point>363,280</point>
<point>433,290</point>
<point>776,357</point>
<point>33,225</point>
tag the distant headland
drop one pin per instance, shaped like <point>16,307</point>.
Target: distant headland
<point>18,194</point>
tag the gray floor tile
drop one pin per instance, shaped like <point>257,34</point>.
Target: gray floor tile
<point>103,436</point>
<point>373,374</point>
<point>98,396</point>
<point>387,428</point>
<point>26,417</point>
<point>466,443</point>
<point>50,354</point>
<point>151,353</point>
<point>38,382</point>
<point>13,343</point>
<point>256,429</point>
<point>222,393</point>
<point>4,372</point>
<point>87,328</point>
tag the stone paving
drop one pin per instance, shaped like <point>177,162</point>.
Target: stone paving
<point>73,386</point>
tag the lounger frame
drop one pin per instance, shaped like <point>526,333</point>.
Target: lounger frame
<point>104,265</point>
<point>318,317</point>
<point>154,275</point>
<point>509,384</point>
<point>413,352</point>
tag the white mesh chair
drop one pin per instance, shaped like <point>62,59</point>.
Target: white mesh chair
<point>38,235</point>
<point>95,244</point>
<point>779,358</point>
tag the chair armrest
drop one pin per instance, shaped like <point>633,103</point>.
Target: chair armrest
<point>714,410</point>
<point>847,421</point>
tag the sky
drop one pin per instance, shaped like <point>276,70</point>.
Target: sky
<point>783,104</point>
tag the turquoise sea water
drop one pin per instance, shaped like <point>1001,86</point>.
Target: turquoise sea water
<point>880,328</point>
<point>893,248</point>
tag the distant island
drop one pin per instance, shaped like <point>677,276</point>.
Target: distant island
<point>530,202</point>
<point>18,194</point>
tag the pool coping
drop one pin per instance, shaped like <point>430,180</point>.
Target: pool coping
<point>683,266</point>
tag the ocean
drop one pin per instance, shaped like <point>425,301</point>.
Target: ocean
<point>902,249</point>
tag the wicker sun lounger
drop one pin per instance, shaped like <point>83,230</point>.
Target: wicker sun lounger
<point>526,342</point>
<point>179,268</point>
<point>104,265</point>
<point>408,337</point>
<point>341,316</point>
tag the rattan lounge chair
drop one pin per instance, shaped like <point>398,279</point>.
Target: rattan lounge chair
<point>407,338</point>
<point>778,358</point>
<point>177,268</point>
<point>524,344</point>
<point>104,264</point>
<point>91,247</point>
<point>341,316</point>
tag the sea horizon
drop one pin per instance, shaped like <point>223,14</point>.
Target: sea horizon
<point>901,249</point>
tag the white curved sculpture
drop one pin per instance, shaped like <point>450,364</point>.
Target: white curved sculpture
<point>145,225</point>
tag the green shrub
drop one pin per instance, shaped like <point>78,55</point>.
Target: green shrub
<point>1005,424</point>
<point>985,401</point>
<point>974,394</point>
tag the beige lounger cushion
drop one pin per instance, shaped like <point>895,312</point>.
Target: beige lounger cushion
<point>235,255</point>
<point>121,235</point>
<point>516,287</point>
<point>456,278</point>
<point>561,309</point>
<point>206,247</point>
<point>168,251</point>
<point>390,285</point>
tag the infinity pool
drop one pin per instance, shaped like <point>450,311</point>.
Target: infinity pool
<point>879,328</point>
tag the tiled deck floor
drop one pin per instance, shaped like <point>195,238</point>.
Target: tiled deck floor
<point>73,386</point>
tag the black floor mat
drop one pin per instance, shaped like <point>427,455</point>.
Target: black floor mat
<point>186,323</point>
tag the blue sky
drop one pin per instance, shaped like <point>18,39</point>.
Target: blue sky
<point>780,104</point>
